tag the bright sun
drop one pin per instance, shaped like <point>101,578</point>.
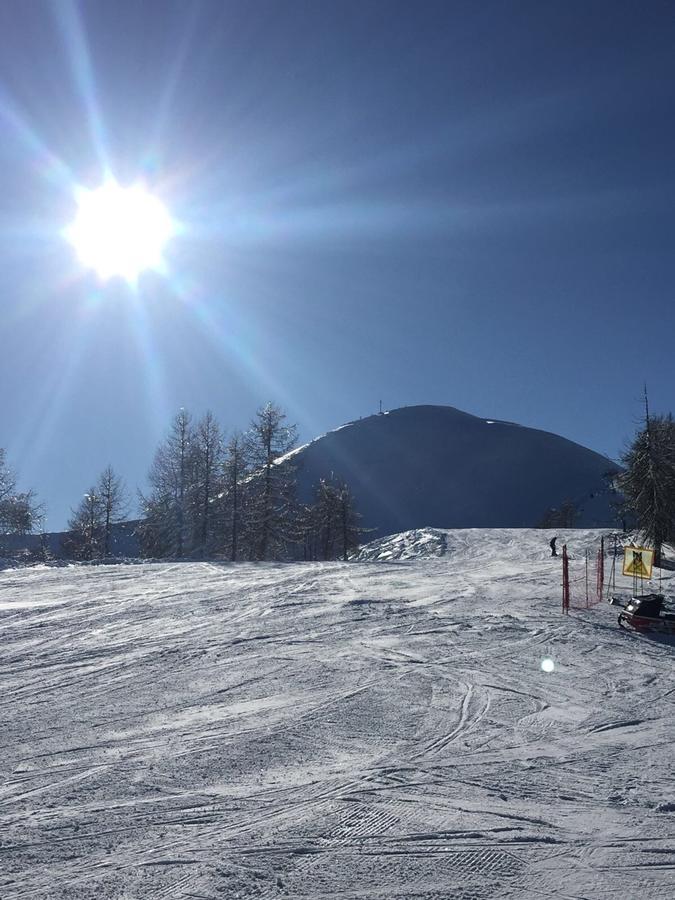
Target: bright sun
<point>120,231</point>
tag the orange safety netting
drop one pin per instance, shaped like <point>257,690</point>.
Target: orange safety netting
<point>583,578</point>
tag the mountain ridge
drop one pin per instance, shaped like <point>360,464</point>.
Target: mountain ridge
<point>438,466</point>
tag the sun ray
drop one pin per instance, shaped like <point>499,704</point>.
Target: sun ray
<point>51,395</point>
<point>77,52</point>
<point>231,336</point>
<point>153,381</point>
<point>172,78</point>
<point>46,163</point>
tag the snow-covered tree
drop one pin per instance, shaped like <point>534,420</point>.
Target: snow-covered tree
<point>648,483</point>
<point>270,494</point>
<point>167,507</point>
<point>20,513</point>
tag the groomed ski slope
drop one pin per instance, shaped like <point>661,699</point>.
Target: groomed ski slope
<point>362,730</point>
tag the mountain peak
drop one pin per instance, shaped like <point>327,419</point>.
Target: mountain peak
<point>437,466</point>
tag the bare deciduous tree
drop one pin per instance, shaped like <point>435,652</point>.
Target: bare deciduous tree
<point>85,527</point>
<point>235,473</point>
<point>114,503</point>
<point>20,513</point>
<point>207,481</point>
<point>166,507</point>
<point>271,488</point>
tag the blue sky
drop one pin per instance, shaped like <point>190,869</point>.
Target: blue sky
<point>458,203</point>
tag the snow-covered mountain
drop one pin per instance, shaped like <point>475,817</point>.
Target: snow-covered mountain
<point>437,466</point>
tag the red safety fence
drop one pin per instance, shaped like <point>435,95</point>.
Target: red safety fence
<point>583,579</point>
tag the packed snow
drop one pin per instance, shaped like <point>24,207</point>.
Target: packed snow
<point>372,729</point>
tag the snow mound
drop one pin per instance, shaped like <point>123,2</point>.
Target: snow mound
<point>482,545</point>
<point>416,544</point>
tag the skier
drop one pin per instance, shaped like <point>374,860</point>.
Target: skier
<point>551,544</point>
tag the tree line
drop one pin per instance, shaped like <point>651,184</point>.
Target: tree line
<point>237,497</point>
<point>212,496</point>
<point>646,486</point>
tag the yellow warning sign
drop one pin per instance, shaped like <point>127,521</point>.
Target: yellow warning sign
<point>637,561</point>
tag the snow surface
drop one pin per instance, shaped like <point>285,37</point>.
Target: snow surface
<point>337,730</point>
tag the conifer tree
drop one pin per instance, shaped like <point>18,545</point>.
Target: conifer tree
<point>157,532</point>
<point>326,515</point>
<point>331,524</point>
<point>564,516</point>
<point>233,508</point>
<point>114,503</point>
<point>270,524</point>
<point>207,482</point>
<point>648,483</point>
<point>167,508</point>
<point>85,527</point>
<point>349,531</point>
<point>308,531</point>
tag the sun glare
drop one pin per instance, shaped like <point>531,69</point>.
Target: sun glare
<point>120,231</point>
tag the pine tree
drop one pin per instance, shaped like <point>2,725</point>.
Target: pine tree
<point>648,483</point>
<point>270,491</point>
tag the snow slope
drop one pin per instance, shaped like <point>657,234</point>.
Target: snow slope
<point>337,730</point>
<point>437,466</point>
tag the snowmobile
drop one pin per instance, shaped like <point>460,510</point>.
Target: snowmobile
<point>648,614</point>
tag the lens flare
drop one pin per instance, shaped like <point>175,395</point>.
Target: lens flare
<point>120,231</point>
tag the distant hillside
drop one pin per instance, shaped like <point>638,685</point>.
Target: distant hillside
<point>123,542</point>
<point>435,466</point>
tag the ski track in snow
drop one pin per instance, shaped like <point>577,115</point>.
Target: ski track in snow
<point>332,730</point>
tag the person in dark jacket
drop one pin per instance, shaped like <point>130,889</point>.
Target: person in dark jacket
<point>551,544</point>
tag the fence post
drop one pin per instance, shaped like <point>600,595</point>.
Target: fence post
<point>566,582</point>
<point>600,583</point>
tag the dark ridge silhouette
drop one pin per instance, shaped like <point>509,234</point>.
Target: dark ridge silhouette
<point>437,466</point>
